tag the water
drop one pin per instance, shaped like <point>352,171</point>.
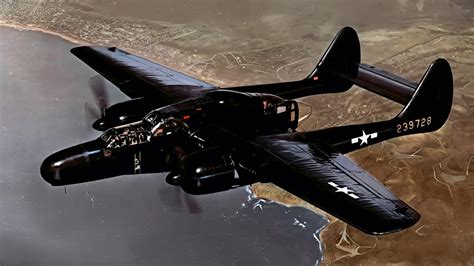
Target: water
<point>124,220</point>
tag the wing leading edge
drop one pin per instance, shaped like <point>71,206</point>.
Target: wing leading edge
<point>332,182</point>
<point>138,77</point>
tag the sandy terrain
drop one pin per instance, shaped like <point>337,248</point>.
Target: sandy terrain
<point>434,173</point>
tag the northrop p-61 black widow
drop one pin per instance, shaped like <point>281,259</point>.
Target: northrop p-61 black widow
<point>211,139</point>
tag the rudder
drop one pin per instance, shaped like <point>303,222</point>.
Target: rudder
<point>342,57</point>
<point>430,105</point>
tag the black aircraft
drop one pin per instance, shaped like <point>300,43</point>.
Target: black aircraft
<point>212,139</point>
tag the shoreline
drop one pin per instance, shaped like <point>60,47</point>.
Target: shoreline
<point>45,31</point>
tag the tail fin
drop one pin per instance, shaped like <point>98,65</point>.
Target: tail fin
<point>431,101</point>
<point>342,57</point>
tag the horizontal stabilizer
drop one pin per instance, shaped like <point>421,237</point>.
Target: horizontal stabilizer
<point>341,67</point>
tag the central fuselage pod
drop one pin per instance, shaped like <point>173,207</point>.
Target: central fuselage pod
<point>161,141</point>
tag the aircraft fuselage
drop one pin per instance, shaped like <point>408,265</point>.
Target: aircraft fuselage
<point>204,129</point>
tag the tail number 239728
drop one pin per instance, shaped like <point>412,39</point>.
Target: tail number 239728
<point>414,124</point>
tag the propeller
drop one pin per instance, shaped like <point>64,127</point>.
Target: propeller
<point>307,112</point>
<point>176,199</point>
<point>91,113</point>
<point>192,205</point>
<point>179,197</point>
<point>99,91</point>
<point>101,98</point>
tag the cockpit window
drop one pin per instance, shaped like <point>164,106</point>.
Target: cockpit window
<point>126,136</point>
<point>108,134</point>
<point>281,109</point>
<point>154,117</point>
<point>169,126</point>
<point>157,115</point>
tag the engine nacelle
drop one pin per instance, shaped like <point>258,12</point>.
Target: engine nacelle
<point>124,113</point>
<point>207,171</point>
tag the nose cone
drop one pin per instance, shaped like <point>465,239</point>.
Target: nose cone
<point>71,165</point>
<point>50,168</point>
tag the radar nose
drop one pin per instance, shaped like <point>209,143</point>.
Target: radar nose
<point>50,170</point>
<point>71,165</point>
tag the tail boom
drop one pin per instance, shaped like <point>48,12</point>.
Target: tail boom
<point>426,111</point>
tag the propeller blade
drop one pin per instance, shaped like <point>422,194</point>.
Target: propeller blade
<point>192,204</point>
<point>91,112</point>
<point>99,91</point>
<point>177,192</point>
<point>305,112</point>
<point>173,198</point>
<point>91,115</point>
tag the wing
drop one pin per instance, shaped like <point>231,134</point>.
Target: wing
<point>335,184</point>
<point>138,77</point>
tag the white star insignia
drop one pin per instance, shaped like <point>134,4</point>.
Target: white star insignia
<point>344,190</point>
<point>364,139</point>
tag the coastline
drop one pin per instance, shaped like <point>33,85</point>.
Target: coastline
<point>38,29</point>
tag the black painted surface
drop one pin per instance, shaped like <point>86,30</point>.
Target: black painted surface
<point>309,165</point>
<point>127,220</point>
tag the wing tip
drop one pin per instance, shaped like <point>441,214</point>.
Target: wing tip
<point>79,50</point>
<point>391,226</point>
<point>82,51</point>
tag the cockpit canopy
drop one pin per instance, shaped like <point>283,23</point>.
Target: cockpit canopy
<point>127,135</point>
<point>169,126</point>
<point>157,115</point>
